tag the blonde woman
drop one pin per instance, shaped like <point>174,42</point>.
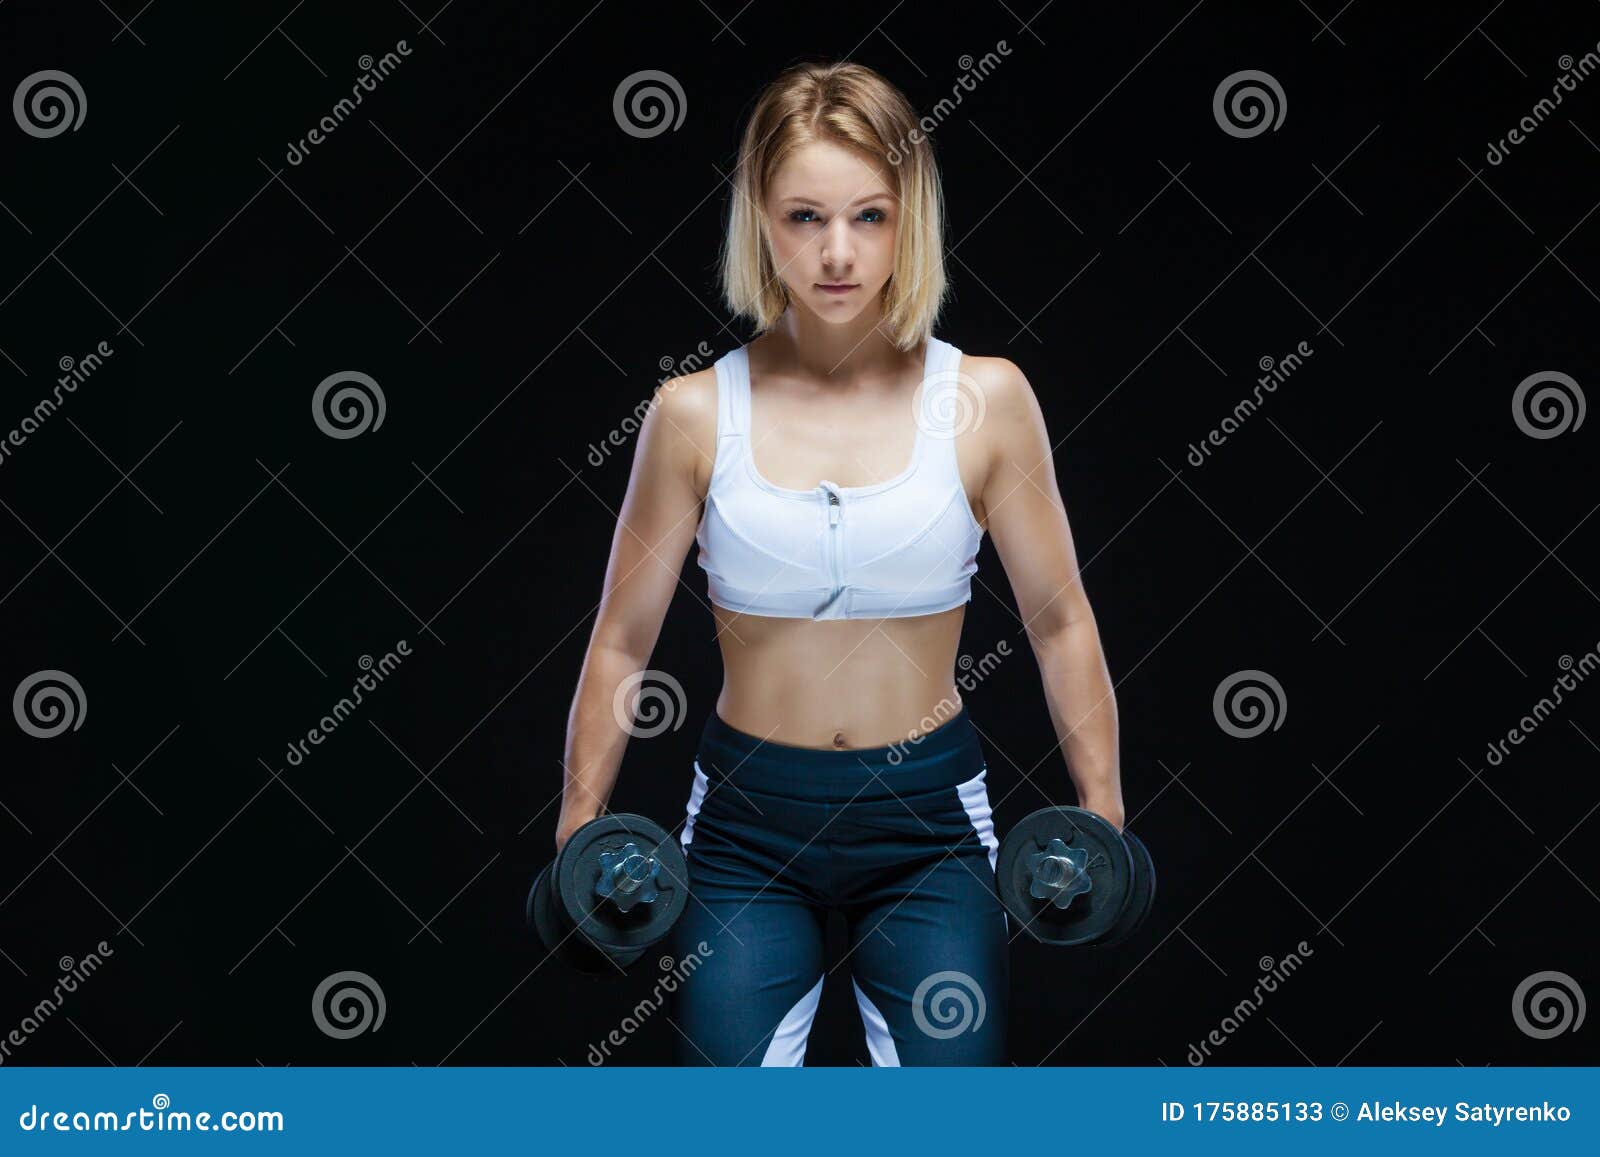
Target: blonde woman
<point>838,474</point>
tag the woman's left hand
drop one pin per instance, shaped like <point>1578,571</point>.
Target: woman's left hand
<point>1110,810</point>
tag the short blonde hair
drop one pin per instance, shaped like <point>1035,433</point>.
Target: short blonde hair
<point>853,106</point>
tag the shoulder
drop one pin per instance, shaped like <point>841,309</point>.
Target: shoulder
<point>685,413</point>
<point>1003,394</point>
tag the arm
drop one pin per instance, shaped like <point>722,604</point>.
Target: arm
<point>654,530</point>
<point>1029,526</point>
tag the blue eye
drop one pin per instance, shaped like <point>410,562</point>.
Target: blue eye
<point>881,216</point>
<point>796,215</point>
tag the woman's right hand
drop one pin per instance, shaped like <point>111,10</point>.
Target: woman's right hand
<point>566,826</point>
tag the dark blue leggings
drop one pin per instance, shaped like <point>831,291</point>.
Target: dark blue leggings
<point>897,838</point>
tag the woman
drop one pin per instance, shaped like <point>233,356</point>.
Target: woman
<point>844,466</point>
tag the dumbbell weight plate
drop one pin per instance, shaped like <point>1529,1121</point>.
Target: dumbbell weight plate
<point>1091,915</point>
<point>557,936</point>
<point>622,935</point>
<point>1142,896</point>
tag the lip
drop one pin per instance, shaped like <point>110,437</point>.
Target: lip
<point>837,287</point>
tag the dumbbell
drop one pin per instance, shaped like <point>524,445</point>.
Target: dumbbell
<point>618,885</point>
<point>1070,878</point>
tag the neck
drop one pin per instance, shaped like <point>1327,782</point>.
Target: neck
<point>843,353</point>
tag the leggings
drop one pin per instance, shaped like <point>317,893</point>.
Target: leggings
<point>900,840</point>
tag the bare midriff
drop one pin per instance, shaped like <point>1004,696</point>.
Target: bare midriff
<point>837,684</point>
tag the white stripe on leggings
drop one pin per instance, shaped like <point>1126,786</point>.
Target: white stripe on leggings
<point>880,1043</point>
<point>696,798</point>
<point>975,798</point>
<point>788,1047</point>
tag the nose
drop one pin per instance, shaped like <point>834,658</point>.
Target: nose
<point>837,251</point>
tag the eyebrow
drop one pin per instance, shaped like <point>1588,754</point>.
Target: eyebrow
<point>857,201</point>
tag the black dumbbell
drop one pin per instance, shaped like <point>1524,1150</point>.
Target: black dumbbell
<point>1070,878</point>
<point>617,886</point>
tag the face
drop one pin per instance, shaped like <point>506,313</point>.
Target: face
<point>832,216</point>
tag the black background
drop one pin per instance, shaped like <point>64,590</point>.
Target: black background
<point>1381,538</point>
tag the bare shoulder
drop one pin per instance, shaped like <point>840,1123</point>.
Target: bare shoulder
<point>687,409</point>
<point>1005,398</point>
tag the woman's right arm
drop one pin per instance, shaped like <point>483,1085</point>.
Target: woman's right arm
<point>655,528</point>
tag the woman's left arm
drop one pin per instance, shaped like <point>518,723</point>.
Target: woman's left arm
<point>1028,523</point>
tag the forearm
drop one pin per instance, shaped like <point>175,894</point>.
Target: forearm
<point>596,738</point>
<point>1083,710</point>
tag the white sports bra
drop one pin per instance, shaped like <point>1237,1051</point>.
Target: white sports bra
<point>905,546</point>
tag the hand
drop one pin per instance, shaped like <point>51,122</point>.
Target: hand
<point>1110,810</point>
<point>566,825</point>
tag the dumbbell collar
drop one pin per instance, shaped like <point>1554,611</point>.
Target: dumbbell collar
<point>627,877</point>
<point>1058,874</point>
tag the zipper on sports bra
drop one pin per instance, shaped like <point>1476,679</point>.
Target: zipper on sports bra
<point>835,514</point>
